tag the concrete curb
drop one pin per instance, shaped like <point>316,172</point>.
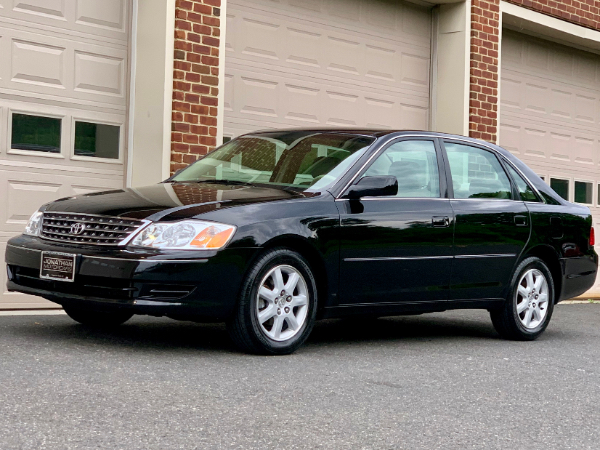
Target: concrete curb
<point>33,312</point>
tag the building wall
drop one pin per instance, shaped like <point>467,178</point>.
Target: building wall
<point>483,95</point>
<point>195,80</point>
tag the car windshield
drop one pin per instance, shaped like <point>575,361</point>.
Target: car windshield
<point>304,160</point>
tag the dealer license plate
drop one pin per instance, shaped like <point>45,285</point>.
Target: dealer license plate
<point>58,266</point>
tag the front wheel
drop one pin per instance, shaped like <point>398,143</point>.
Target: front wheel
<point>277,305</point>
<point>97,318</point>
<point>530,303</point>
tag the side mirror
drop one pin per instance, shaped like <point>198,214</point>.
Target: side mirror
<point>374,187</point>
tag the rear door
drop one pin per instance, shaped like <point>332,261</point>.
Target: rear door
<point>492,222</point>
<point>398,249</point>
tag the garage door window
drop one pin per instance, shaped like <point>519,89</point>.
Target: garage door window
<point>97,140</point>
<point>35,133</point>
<point>583,192</point>
<point>561,187</point>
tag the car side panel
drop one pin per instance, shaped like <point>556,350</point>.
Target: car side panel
<point>566,230</point>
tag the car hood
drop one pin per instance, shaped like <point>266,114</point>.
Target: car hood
<point>170,201</point>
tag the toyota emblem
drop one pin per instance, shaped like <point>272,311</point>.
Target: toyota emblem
<point>77,228</point>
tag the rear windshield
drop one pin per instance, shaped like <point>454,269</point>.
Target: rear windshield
<point>295,159</point>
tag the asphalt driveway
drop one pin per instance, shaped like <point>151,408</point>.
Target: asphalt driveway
<point>422,382</point>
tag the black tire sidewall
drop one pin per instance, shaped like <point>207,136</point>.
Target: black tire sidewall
<point>250,297</point>
<point>528,264</point>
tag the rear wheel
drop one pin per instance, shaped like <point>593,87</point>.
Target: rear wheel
<point>98,318</point>
<point>277,305</point>
<point>530,303</point>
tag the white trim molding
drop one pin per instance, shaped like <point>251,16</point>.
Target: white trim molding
<point>151,99</point>
<point>451,75</point>
<point>547,27</point>
<point>222,56</point>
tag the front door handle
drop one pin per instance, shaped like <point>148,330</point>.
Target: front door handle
<point>440,221</point>
<point>521,221</point>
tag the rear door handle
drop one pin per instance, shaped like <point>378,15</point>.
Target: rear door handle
<point>521,221</point>
<point>440,221</point>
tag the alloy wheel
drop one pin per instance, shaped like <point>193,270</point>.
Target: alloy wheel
<point>282,303</point>
<point>532,298</point>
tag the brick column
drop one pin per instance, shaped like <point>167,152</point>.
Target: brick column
<point>195,80</point>
<point>483,95</point>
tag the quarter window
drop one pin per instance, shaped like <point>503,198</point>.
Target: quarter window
<point>526,193</point>
<point>561,187</point>
<point>97,140</point>
<point>583,192</point>
<point>35,133</point>
<point>414,164</point>
<point>476,173</point>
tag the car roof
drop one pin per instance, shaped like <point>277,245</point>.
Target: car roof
<point>375,132</point>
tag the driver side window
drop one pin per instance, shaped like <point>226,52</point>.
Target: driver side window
<point>414,164</point>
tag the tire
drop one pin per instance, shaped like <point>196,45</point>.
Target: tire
<point>275,322</point>
<point>526,312</point>
<point>98,319</point>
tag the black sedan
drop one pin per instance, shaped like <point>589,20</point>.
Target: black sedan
<point>277,229</point>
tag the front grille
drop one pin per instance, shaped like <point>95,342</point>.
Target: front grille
<point>97,230</point>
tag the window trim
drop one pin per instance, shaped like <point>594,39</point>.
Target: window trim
<point>531,186</point>
<point>15,151</point>
<point>575,180</point>
<point>384,146</point>
<point>566,178</point>
<point>74,157</point>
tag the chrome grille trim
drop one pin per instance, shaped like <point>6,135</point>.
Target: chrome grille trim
<point>100,230</point>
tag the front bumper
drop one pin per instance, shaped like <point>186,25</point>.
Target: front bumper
<point>183,284</point>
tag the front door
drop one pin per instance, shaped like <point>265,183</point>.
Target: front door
<point>398,249</point>
<point>492,223</point>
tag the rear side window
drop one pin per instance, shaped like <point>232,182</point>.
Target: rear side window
<point>414,164</point>
<point>476,173</point>
<point>526,193</point>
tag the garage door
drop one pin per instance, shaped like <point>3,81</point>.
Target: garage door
<point>550,115</point>
<point>326,62</point>
<point>63,98</point>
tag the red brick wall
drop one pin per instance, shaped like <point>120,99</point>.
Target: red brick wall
<point>581,12</point>
<point>195,80</point>
<point>483,95</point>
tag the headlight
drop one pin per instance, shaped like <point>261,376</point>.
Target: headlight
<point>185,235</point>
<point>34,226</point>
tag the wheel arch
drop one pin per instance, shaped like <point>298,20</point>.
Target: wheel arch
<point>313,256</point>
<point>548,254</point>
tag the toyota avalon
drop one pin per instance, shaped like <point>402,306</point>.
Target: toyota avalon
<point>277,229</point>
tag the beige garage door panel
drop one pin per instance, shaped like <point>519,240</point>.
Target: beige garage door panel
<point>550,111</point>
<point>360,63</point>
<point>61,67</point>
<point>107,19</point>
